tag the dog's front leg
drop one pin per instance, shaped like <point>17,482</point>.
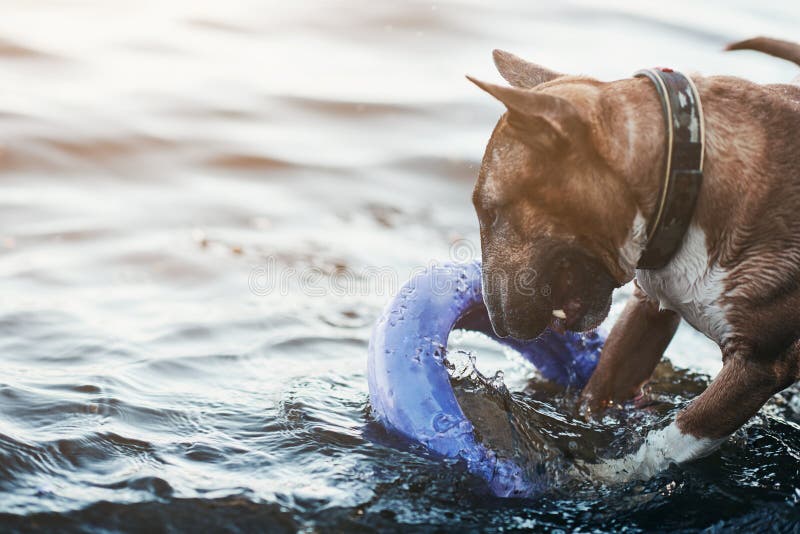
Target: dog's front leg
<point>631,352</point>
<point>736,394</point>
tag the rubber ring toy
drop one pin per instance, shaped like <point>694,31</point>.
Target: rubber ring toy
<point>409,387</point>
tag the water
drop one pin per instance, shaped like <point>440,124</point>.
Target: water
<point>203,207</point>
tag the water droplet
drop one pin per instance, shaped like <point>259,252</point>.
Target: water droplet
<point>443,422</point>
<point>497,380</point>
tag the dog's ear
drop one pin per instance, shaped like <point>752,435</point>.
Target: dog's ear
<point>521,73</point>
<point>539,119</point>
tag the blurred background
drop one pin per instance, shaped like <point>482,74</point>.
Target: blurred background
<point>194,199</point>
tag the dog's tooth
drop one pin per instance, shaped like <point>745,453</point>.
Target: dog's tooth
<point>559,314</point>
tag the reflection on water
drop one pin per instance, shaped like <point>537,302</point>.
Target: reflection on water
<point>154,155</point>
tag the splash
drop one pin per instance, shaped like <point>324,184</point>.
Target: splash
<point>540,429</point>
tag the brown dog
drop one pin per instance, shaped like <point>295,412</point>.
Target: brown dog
<point>569,180</point>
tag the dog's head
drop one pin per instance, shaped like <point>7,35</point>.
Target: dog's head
<point>559,228</point>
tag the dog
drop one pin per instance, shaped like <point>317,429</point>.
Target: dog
<point>568,183</point>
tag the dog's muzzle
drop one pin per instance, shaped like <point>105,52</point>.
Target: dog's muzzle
<point>561,286</point>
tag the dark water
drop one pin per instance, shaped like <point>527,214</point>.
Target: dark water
<point>203,207</point>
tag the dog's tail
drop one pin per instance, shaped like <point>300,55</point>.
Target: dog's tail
<point>774,47</point>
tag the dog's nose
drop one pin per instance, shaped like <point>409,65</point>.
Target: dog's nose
<point>500,332</point>
<point>499,329</point>
<point>492,299</point>
<point>494,310</point>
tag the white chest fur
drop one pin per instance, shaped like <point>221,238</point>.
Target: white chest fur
<point>690,286</point>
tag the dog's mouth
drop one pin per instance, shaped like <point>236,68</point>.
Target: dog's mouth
<point>573,294</point>
<point>568,316</point>
<point>578,315</point>
<point>570,287</point>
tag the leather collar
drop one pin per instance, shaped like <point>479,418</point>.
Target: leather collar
<point>683,163</point>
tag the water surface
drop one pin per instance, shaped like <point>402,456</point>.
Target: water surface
<point>203,207</point>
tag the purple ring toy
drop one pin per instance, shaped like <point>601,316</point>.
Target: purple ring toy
<point>409,387</point>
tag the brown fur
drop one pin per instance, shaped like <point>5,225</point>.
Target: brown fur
<point>587,189</point>
<point>644,330</point>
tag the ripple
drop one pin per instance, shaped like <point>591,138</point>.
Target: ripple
<point>466,170</point>
<point>348,109</point>
<point>249,162</point>
<point>218,25</point>
<point>10,49</point>
<point>238,514</point>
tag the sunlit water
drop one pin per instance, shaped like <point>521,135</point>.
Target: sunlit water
<point>203,207</point>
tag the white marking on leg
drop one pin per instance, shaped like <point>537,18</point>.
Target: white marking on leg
<point>660,448</point>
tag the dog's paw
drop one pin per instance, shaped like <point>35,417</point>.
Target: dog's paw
<point>659,449</point>
<point>653,456</point>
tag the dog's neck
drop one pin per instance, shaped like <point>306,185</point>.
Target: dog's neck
<point>635,143</point>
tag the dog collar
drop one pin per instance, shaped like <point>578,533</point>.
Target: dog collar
<point>683,162</point>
